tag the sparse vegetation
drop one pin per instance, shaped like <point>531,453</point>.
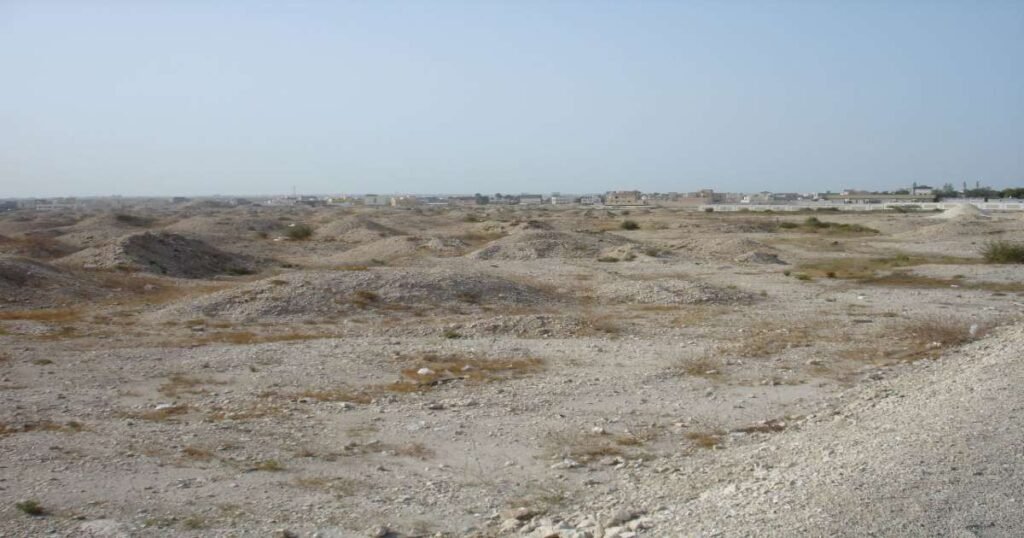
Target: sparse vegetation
<point>44,314</point>
<point>814,225</point>
<point>30,507</point>
<point>1003,252</point>
<point>299,232</point>
<point>706,439</point>
<point>704,366</point>
<point>271,466</point>
<point>629,225</point>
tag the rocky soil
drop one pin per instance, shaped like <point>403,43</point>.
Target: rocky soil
<point>692,387</point>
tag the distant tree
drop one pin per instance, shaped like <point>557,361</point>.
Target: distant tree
<point>947,191</point>
<point>1013,192</point>
<point>901,191</point>
<point>983,192</point>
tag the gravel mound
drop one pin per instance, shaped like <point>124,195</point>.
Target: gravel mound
<point>945,230</point>
<point>316,294</point>
<point>162,253</point>
<point>532,245</point>
<point>723,249</point>
<point>226,226</point>
<point>36,245</point>
<point>355,229</point>
<point>29,283</point>
<point>402,246</point>
<point>760,258</point>
<point>527,326</point>
<point>962,212</point>
<point>669,291</point>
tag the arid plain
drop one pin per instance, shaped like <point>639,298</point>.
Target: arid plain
<point>520,371</point>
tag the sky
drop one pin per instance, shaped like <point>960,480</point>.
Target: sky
<point>194,97</point>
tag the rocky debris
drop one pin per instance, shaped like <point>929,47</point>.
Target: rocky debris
<point>962,212</point>
<point>401,246</point>
<point>525,326</point>
<point>721,249</point>
<point>227,226</point>
<point>164,254</point>
<point>669,291</point>
<point>532,245</point>
<point>760,258</point>
<point>29,283</point>
<point>355,229</point>
<point>320,294</point>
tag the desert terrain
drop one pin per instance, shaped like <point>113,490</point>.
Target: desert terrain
<point>509,371</point>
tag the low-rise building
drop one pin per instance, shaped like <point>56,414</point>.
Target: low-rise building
<point>404,201</point>
<point>624,198</point>
<point>376,200</point>
<point>530,199</point>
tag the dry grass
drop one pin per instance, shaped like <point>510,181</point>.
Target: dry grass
<point>271,466</point>
<point>185,384</point>
<point>139,289</point>
<point>586,448</point>
<point>196,453</point>
<point>931,335</point>
<point>364,298</point>
<point>814,225</point>
<point>706,366</point>
<point>767,426</point>
<point>248,337</point>
<point>431,370</point>
<point>337,395</point>
<point>911,280</point>
<point>766,339</point>
<point>604,324</point>
<point>43,426</point>
<point>249,412</point>
<point>866,268</point>
<point>706,439</point>
<point>337,486</point>
<point>414,450</point>
<point>43,314</point>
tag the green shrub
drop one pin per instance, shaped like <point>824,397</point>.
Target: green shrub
<point>608,259</point>
<point>30,507</point>
<point>629,225</point>
<point>1003,252</point>
<point>300,232</point>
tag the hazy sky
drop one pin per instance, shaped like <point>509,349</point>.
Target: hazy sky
<point>205,97</point>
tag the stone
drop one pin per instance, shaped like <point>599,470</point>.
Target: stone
<point>621,517</point>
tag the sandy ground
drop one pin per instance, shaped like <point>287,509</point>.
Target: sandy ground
<point>520,372</point>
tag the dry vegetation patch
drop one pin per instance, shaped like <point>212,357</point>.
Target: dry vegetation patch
<point>248,337</point>
<point>709,439</point>
<point>815,225</point>
<point>768,338</point>
<point>861,268</point>
<point>430,370</point>
<point>160,414</point>
<point>186,384</point>
<point>43,314</point>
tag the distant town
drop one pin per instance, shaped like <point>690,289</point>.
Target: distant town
<point>915,196</point>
